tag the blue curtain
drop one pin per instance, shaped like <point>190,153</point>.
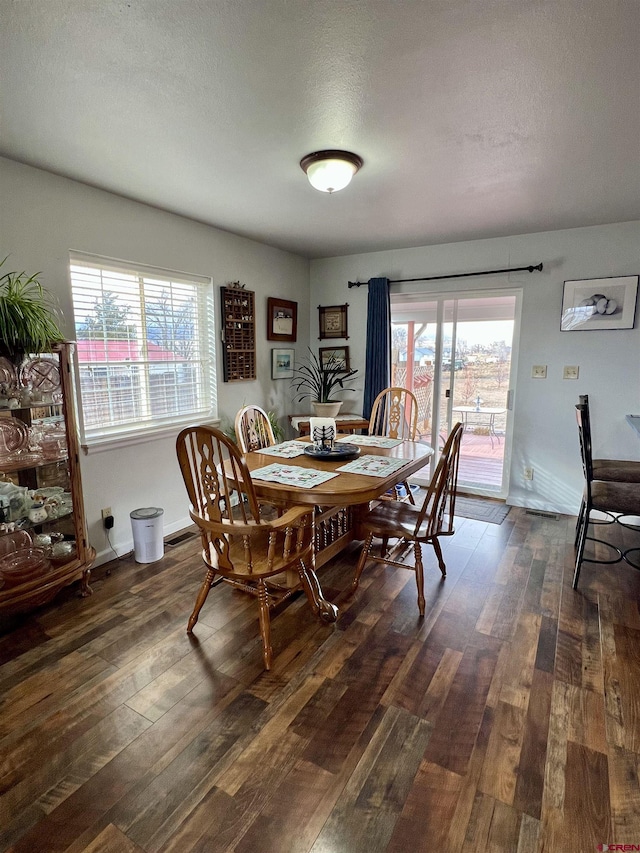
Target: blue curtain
<point>378,358</point>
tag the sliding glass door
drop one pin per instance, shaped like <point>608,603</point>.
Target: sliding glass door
<point>454,352</point>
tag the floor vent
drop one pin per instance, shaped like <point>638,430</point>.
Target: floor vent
<point>541,514</point>
<point>181,537</point>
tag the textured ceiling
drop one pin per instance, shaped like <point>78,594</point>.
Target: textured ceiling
<point>475,118</point>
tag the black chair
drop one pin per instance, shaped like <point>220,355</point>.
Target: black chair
<point>608,496</point>
<point>610,470</point>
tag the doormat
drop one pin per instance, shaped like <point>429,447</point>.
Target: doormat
<point>492,511</point>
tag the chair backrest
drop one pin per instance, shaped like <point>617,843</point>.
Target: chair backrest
<point>438,507</point>
<point>394,414</point>
<point>584,435</point>
<point>253,429</point>
<point>212,468</point>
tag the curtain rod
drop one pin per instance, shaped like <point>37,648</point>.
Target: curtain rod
<point>455,275</point>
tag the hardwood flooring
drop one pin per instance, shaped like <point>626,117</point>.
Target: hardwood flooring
<point>508,719</point>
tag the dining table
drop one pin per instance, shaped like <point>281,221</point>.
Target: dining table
<point>341,501</point>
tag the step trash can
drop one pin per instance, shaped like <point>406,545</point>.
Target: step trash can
<point>148,541</point>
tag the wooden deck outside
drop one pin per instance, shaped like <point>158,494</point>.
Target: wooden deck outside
<point>480,462</point>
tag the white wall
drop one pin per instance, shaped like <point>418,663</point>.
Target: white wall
<point>545,436</point>
<point>43,216</point>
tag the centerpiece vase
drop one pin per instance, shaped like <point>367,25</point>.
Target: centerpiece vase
<point>326,410</point>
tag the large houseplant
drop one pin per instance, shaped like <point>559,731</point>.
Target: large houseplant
<point>28,316</point>
<point>320,383</point>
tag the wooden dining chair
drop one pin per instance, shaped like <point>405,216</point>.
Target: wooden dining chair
<point>611,470</point>
<point>394,414</point>
<point>409,523</point>
<point>608,496</point>
<point>253,429</point>
<point>268,559</point>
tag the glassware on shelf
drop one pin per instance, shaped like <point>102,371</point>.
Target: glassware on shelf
<point>14,437</point>
<point>23,566</point>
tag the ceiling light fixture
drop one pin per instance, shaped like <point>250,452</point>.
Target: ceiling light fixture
<point>330,171</point>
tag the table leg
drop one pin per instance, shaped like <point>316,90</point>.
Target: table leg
<point>326,611</point>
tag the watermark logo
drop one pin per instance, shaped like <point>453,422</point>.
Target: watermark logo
<point>623,847</point>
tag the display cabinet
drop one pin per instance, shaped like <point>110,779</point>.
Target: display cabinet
<point>43,531</point>
<point>238,334</point>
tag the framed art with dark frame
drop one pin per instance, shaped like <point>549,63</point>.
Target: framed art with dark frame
<point>282,320</point>
<point>282,361</point>
<point>592,304</point>
<point>337,357</point>
<point>333,321</point>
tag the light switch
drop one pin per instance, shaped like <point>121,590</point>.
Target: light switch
<point>539,371</point>
<point>571,372</point>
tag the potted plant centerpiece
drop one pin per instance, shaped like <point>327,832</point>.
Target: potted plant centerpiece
<point>28,317</point>
<point>319,383</point>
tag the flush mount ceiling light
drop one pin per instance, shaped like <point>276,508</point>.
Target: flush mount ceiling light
<point>330,171</point>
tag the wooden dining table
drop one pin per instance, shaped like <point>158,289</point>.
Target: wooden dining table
<point>342,501</point>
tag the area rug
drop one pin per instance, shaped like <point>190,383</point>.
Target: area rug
<point>482,510</point>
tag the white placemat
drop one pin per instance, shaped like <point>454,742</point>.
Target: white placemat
<point>370,440</point>
<point>373,466</point>
<point>291,475</point>
<point>286,450</point>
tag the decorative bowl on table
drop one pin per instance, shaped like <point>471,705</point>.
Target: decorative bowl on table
<point>331,454</point>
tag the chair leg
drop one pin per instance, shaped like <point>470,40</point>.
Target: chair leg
<point>265,624</point>
<point>419,569</point>
<point>438,550</point>
<point>384,545</point>
<point>361,562</point>
<point>582,539</point>
<point>580,521</point>
<point>323,609</point>
<point>200,600</point>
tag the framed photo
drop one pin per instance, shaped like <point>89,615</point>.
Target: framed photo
<point>589,304</point>
<point>333,321</point>
<point>282,363</point>
<point>282,320</point>
<point>336,356</point>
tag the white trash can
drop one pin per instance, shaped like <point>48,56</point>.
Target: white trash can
<point>148,542</point>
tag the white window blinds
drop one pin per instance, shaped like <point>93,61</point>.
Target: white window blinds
<point>146,354</point>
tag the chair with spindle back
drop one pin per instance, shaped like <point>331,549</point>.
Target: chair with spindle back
<point>394,414</point>
<point>237,545</point>
<point>409,523</point>
<point>253,429</point>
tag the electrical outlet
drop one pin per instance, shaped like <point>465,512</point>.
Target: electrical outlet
<point>570,372</point>
<point>106,512</point>
<point>539,371</point>
<point>528,473</point>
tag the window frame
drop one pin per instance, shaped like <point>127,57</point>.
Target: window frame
<point>135,431</point>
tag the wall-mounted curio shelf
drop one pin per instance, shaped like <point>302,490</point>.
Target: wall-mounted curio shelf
<point>238,334</point>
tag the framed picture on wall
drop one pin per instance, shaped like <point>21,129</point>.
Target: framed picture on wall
<point>335,357</point>
<point>592,304</point>
<point>282,320</point>
<point>282,363</point>
<point>333,321</point>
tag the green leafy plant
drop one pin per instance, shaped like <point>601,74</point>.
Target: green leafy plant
<point>320,384</point>
<point>28,316</point>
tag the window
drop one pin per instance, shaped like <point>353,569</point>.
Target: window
<point>146,354</point>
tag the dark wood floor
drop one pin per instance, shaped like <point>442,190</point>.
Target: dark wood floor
<point>507,720</point>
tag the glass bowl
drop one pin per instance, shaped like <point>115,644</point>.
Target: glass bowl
<point>23,566</point>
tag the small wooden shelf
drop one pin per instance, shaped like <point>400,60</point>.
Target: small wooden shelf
<point>238,334</point>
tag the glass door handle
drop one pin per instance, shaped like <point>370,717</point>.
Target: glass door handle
<point>510,400</point>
